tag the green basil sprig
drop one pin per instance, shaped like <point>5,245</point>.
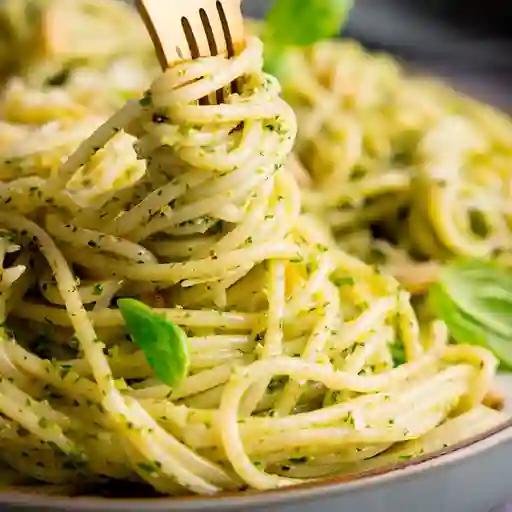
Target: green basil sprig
<point>292,23</point>
<point>474,299</point>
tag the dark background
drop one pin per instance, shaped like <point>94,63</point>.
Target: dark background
<point>469,42</point>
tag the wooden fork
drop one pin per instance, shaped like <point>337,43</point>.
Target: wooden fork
<point>188,29</point>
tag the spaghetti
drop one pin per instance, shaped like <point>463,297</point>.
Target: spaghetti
<point>405,170</point>
<point>305,362</point>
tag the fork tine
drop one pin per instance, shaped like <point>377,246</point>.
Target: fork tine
<point>230,14</point>
<point>211,25</point>
<point>179,32</point>
<point>195,28</point>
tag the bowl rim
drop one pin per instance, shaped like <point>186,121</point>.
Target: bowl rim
<point>333,486</point>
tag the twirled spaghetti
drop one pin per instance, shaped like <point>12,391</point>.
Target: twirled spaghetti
<point>305,362</point>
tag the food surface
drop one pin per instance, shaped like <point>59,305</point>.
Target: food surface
<point>174,314</point>
<point>407,172</point>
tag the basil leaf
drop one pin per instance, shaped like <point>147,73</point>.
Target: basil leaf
<point>301,23</point>
<point>164,344</point>
<point>462,328</point>
<point>483,291</point>
<point>474,299</point>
